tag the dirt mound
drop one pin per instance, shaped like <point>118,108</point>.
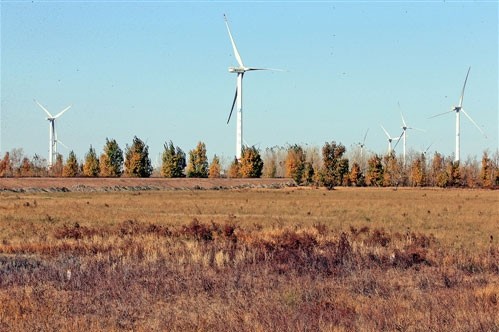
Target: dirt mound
<point>133,184</point>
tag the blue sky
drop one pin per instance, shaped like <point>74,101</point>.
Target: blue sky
<point>158,70</point>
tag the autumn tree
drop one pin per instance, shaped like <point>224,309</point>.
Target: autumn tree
<point>270,163</point>
<point>374,174</point>
<point>334,166</point>
<point>173,161</point>
<point>295,163</point>
<point>5,166</point>
<point>198,162</point>
<point>38,166</point>
<point>71,167</point>
<point>438,175</point>
<point>234,169</point>
<point>486,171</point>
<point>137,161</point>
<point>57,168</point>
<point>392,171</point>
<point>453,173</point>
<point>111,160</point>
<point>215,168</point>
<point>91,163</point>
<point>417,176</point>
<point>356,178</point>
<point>251,163</point>
<point>26,168</point>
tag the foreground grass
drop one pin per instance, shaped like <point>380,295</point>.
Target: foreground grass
<point>275,260</point>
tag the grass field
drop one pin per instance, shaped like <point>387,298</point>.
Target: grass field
<point>351,259</point>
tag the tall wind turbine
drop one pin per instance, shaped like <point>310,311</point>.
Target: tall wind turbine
<point>238,97</point>
<point>404,133</point>
<point>458,109</point>
<point>52,133</point>
<point>390,140</point>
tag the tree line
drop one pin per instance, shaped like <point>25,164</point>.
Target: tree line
<point>328,167</point>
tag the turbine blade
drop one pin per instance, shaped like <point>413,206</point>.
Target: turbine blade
<point>271,69</point>
<point>434,116</point>
<point>365,136</point>
<point>464,86</point>
<point>232,108</point>
<point>60,113</point>
<point>403,120</point>
<point>398,139</point>
<point>473,121</point>
<point>236,53</point>
<point>43,108</point>
<point>64,145</point>
<point>387,135</point>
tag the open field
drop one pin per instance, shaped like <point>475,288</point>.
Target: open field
<point>292,259</point>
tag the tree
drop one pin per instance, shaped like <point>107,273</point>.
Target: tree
<point>295,163</point>
<point>57,168</point>
<point>417,176</point>
<point>251,163</point>
<point>91,164</point>
<point>6,166</point>
<point>234,169</point>
<point>356,178</point>
<point>453,173</point>
<point>392,171</point>
<point>215,168</point>
<point>137,161</point>
<point>486,171</point>
<point>374,174</point>
<point>334,166</point>
<point>26,168</point>
<point>71,167</point>
<point>438,174</point>
<point>173,161</point>
<point>39,166</point>
<point>198,162</point>
<point>111,160</point>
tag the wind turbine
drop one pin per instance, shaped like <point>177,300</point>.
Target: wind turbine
<point>458,109</point>
<point>404,133</point>
<point>52,134</point>
<point>238,97</point>
<point>390,139</point>
<point>363,144</point>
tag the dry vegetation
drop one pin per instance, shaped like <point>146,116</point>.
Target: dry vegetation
<point>250,260</point>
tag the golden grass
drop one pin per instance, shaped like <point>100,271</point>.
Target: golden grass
<point>352,259</point>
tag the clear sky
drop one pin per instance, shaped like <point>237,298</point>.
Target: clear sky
<point>158,70</point>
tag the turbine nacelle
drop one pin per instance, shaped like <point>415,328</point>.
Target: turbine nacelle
<point>238,70</point>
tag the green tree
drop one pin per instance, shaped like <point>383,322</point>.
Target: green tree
<point>91,164</point>
<point>215,168</point>
<point>111,160</point>
<point>173,161</point>
<point>251,163</point>
<point>198,162</point>
<point>71,167</point>
<point>334,166</point>
<point>374,174</point>
<point>137,161</point>
<point>295,163</point>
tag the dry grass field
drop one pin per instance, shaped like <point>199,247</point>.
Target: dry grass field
<point>293,259</point>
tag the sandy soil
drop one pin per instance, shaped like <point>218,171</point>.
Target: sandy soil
<point>110,184</point>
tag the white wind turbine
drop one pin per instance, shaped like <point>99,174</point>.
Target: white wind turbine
<point>458,109</point>
<point>404,133</point>
<point>238,97</point>
<point>390,140</point>
<point>363,144</point>
<point>52,134</point>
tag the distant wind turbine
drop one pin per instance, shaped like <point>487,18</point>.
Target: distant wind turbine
<point>238,97</point>
<point>52,134</point>
<point>404,133</point>
<point>363,144</point>
<point>458,109</point>
<point>390,140</point>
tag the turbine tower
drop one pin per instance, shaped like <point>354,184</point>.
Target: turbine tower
<point>52,134</point>
<point>404,133</point>
<point>390,140</point>
<point>458,109</point>
<point>238,97</point>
